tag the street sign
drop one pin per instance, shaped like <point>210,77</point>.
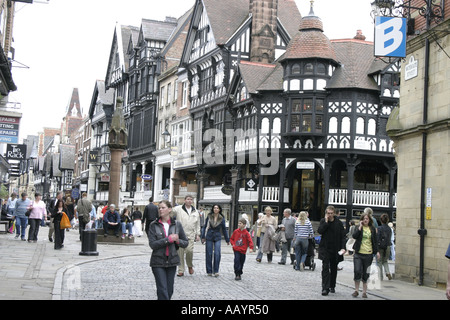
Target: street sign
<point>16,152</point>
<point>9,129</point>
<point>390,37</point>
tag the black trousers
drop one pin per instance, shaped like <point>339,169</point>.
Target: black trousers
<point>329,270</point>
<point>34,229</point>
<point>59,235</point>
<point>107,227</point>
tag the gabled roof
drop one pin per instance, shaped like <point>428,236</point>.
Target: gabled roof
<point>100,93</point>
<point>356,59</point>
<point>121,39</point>
<point>227,16</point>
<point>254,74</point>
<point>157,30</point>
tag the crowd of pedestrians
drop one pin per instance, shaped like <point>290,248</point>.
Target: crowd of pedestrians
<point>172,233</point>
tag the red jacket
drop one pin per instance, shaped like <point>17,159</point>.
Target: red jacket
<point>241,240</point>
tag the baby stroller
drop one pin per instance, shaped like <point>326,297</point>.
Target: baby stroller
<point>309,262</point>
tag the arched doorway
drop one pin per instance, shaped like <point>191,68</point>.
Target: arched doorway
<point>306,188</point>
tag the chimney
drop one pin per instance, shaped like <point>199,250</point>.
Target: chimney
<point>359,35</point>
<point>264,30</point>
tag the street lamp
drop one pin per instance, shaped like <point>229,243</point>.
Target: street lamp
<point>166,135</point>
<point>402,8</point>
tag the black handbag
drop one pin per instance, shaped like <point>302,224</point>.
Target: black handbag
<point>28,213</point>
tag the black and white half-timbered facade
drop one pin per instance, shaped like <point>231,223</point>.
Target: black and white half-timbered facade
<point>285,117</point>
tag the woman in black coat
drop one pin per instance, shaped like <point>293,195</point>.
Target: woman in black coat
<point>365,248</point>
<point>57,215</point>
<point>165,235</point>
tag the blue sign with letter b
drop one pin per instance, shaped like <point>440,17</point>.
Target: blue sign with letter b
<point>390,37</point>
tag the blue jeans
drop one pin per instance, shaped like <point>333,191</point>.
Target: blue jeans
<point>164,278</point>
<point>21,226</point>
<point>127,226</point>
<point>301,250</point>
<point>212,252</point>
<point>239,260</point>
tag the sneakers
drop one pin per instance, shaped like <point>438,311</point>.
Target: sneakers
<point>238,277</point>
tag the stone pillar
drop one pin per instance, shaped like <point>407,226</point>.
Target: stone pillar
<point>117,143</point>
<point>114,173</point>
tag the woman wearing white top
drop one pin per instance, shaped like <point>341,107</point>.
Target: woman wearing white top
<point>38,211</point>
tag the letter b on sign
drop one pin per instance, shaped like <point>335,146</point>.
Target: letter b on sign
<point>390,37</point>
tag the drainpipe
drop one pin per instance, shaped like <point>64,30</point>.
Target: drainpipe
<point>422,231</point>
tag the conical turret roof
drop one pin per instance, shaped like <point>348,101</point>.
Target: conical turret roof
<point>310,41</point>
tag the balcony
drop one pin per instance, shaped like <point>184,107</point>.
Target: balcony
<point>269,194</point>
<point>362,198</point>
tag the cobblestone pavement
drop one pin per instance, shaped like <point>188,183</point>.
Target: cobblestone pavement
<point>35,271</point>
<point>132,279</point>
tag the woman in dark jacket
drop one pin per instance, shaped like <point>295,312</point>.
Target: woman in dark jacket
<point>165,235</point>
<point>212,234</point>
<point>57,215</point>
<point>365,247</point>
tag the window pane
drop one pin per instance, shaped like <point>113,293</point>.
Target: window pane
<point>295,123</point>
<point>296,105</point>
<point>319,105</point>
<point>306,125</point>
<point>307,105</point>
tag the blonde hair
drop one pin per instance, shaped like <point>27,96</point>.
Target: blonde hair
<point>268,209</point>
<point>302,217</point>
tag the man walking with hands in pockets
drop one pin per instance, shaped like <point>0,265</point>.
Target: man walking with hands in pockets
<point>189,218</point>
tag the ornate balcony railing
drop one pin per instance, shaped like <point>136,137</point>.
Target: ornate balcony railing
<point>362,198</point>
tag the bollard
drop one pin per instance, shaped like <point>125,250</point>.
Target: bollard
<point>89,243</point>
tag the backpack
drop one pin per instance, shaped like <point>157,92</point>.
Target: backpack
<point>384,237</point>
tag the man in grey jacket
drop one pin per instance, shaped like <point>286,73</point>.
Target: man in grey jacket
<point>289,224</point>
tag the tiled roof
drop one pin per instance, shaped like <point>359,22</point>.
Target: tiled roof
<point>227,16</point>
<point>157,30</point>
<point>254,74</point>
<point>356,59</point>
<point>310,41</point>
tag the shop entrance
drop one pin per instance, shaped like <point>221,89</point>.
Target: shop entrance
<point>306,188</point>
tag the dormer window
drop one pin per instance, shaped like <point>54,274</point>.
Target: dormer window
<point>309,68</point>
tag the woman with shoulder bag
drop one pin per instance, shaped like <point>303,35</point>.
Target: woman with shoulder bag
<point>165,235</point>
<point>57,215</point>
<point>365,248</point>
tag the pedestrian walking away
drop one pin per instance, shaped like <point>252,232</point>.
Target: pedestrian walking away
<point>150,214</point>
<point>84,207</point>
<point>303,232</point>
<point>241,241</point>
<point>165,236</point>
<point>212,235</point>
<point>384,236</point>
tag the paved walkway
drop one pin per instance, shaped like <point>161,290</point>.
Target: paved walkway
<point>35,271</point>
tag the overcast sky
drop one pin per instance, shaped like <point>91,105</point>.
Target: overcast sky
<point>66,44</point>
